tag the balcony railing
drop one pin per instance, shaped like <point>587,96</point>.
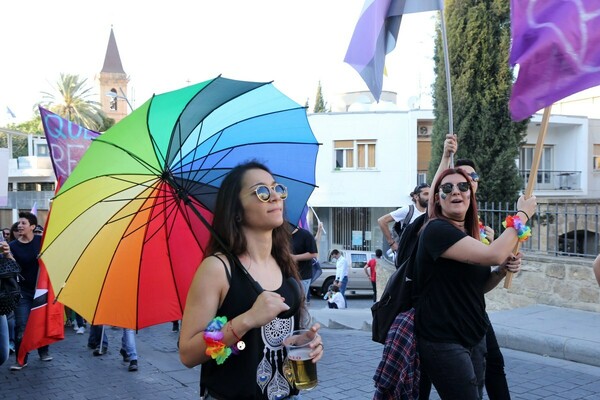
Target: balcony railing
<point>554,180</point>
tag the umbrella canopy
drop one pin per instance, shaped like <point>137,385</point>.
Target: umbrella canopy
<point>128,228</point>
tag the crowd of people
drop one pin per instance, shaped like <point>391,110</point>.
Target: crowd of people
<point>22,243</point>
<point>248,294</point>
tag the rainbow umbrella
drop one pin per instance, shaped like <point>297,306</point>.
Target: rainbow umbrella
<point>129,227</point>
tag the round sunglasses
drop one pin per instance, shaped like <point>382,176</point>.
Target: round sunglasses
<point>448,187</point>
<point>263,192</point>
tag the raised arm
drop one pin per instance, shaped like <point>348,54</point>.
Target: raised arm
<point>472,251</point>
<point>450,147</point>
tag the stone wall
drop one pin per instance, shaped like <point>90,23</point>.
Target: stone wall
<point>556,281</point>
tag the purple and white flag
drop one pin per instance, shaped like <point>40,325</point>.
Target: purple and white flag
<point>67,142</point>
<point>375,36</point>
<point>557,46</point>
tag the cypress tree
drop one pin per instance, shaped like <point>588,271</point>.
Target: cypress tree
<point>319,102</point>
<point>479,44</point>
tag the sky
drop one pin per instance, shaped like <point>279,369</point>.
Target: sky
<point>165,45</point>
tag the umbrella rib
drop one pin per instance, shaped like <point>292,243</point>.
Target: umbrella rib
<point>137,212</point>
<point>145,164</point>
<point>220,133</point>
<point>226,152</point>
<point>146,225</point>
<point>197,176</point>
<point>178,122</point>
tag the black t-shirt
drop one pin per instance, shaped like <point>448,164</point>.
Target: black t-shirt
<point>257,371</point>
<point>26,256</point>
<point>304,242</point>
<point>452,308</point>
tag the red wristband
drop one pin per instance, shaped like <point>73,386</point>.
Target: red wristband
<point>240,343</point>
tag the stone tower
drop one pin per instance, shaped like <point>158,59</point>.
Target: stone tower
<point>113,79</point>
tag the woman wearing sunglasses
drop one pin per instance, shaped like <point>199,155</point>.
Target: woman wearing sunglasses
<point>453,274</point>
<point>238,306</point>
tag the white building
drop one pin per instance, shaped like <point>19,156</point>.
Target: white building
<point>371,158</point>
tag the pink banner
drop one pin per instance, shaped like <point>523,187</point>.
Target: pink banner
<point>67,142</point>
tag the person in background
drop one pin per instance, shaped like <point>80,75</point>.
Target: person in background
<point>341,270</point>
<point>246,295</point>
<point>14,232</point>
<point>304,249</point>
<point>336,300</point>
<point>371,271</point>
<point>420,198</point>
<point>128,348</point>
<point>25,250</point>
<point>6,234</point>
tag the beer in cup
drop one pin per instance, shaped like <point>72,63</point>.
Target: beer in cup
<point>298,350</point>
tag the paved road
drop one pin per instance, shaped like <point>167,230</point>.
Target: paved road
<point>345,372</point>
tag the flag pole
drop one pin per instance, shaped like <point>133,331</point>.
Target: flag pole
<point>448,84</point>
<point>537,155</point>
<point>317,217</point>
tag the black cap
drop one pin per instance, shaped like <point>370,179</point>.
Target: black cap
<point>419,187</point>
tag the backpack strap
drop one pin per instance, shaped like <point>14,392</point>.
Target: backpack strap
<point>411,211</point>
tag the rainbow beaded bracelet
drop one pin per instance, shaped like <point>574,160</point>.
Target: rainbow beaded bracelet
<point>213,337</point>
<point>523,231</point>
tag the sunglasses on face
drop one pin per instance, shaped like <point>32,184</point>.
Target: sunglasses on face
<point>474,176</point>
<point>448,187</point>
<point>263,192</point>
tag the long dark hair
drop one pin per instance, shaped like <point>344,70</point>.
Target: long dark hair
<point>228,217</point>
<point>471,218</point>
<point>13,230</point>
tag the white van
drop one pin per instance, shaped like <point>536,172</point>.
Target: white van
<point>358,281</point>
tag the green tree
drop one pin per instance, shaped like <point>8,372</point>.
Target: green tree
<point>75,101</point>
<point>479,42</point>
<point>19,143</point>
<point>319,101</point>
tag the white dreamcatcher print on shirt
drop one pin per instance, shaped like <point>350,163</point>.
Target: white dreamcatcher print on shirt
<point>267,373</point>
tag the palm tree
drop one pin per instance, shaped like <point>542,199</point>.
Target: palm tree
<point>73,100</point>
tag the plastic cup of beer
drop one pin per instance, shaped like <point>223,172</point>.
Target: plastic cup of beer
<point>298,350</point>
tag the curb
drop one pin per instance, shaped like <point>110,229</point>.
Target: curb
<point>540,329</point>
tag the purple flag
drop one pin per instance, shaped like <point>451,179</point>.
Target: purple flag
<point>67,142</point>
<point>557,46</point>
<point>303,221</point>
<point>375,36</point>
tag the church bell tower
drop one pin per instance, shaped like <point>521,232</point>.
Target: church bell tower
<point>112,81</point>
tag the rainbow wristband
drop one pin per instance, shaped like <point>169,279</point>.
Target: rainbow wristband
<point>482,234</point>
<point>213,337</point>
<point>523,231</point>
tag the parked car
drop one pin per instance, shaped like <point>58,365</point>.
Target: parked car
<point>357,279</point>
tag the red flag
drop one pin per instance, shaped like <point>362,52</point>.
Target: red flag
<point>45,324</point>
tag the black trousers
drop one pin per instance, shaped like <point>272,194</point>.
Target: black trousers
<point>496,385</point>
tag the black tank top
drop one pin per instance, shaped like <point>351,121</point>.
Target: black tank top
<point>256,372</point>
